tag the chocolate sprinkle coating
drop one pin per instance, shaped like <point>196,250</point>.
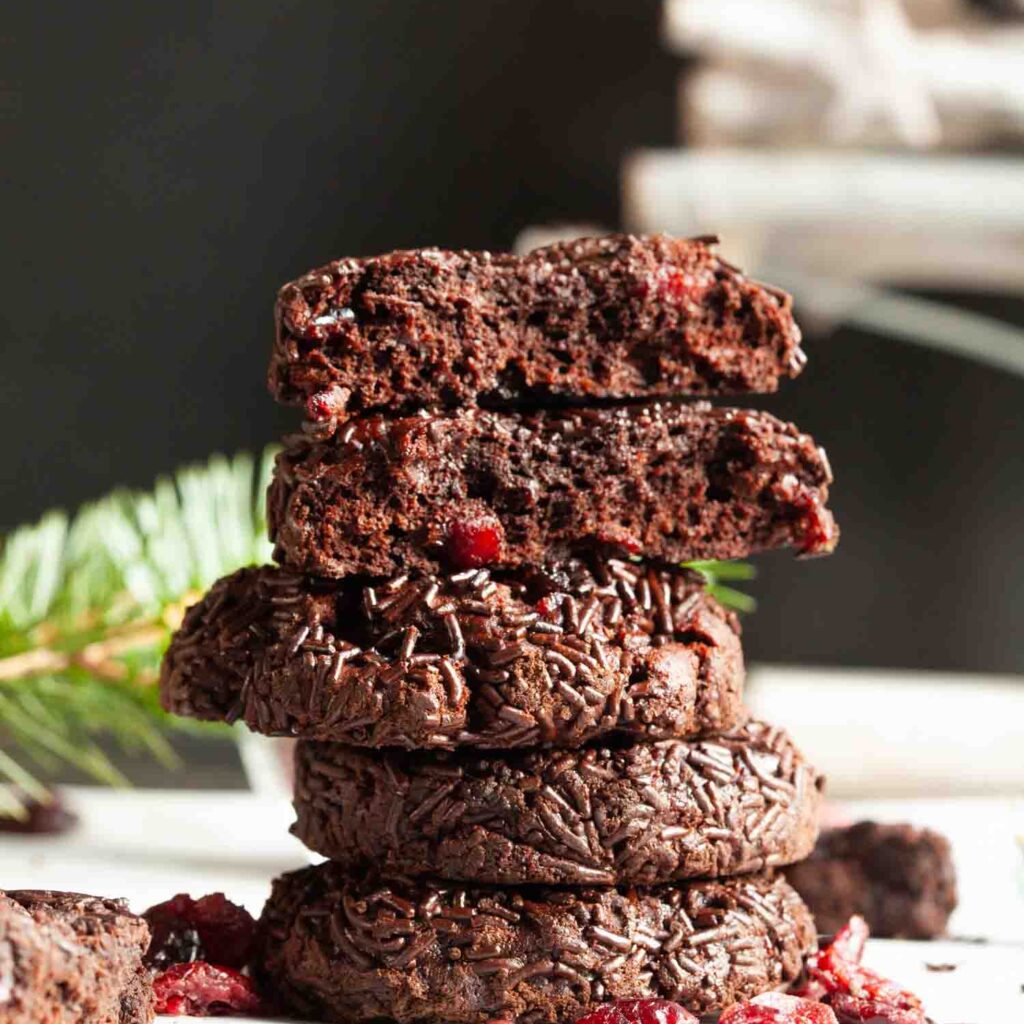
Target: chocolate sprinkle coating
<point>899,878</point>
<point>614,317</point>
<point>473,659</point>
<point>641,814</point>
<point>67,958</point>
<point>339,949</point>
<point>671,482</point>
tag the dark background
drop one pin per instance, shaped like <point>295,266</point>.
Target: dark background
<point>167,167</point>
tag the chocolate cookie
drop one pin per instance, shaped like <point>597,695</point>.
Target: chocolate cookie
<point>333,948</point>
<point>67,959</point>
<point>616,317</point>
<point>553,657</point>
<point>634,815</point>
<point>901,879</point>
<point>471,488</point>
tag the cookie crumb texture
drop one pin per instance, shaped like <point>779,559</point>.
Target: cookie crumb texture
<point>553,656</point>
<point>67,959</point>
<point>636,815</point>
<point>667,481</point>
<point>901,879</point>
<point>337,949</point>
<point>598,318</point>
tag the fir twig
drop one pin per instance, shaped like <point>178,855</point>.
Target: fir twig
<point>715,573</point>
<point>87,606</point>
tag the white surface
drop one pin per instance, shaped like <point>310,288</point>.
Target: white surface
<point>984,988</point>
<point>886,733</point>
<point>147,845</point>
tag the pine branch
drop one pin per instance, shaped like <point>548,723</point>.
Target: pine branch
<point>715,572</point>
<point>88,604</point>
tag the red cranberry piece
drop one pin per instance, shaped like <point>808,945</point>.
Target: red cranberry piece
<point>204,990</point>
<point>851,1010</point>
<point>619,538</point>
<point>678,286</point>
<point>847,978</point>
<point>675,286</point>
<point>776,1008</point>
<point>850,940</point>
<point>327,404</point>
<point>211,928</point>
<point>474,541</point>
<point>639,1011</point>
<point>819,532</point>
<point>836,970</point>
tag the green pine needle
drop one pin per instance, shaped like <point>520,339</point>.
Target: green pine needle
<point>714,572</point>
<point>88,604</point>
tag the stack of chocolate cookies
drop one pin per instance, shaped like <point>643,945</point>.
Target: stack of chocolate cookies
<point>523,746</point>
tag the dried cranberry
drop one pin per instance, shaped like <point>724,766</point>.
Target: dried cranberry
<point>326,404</point>
<point>672,284</point>
<point>836,972</point>
<point>848,978</point>
<point>820,533</point>
<point>204,990</point>
<point>851,1010</point>
<point>639,1011</point>
<point>211,928</point>
<point>474,541</point>
<point>678,286</point>
<point>776,1008</point>
<point>850,940</point>
<point>619,538</point>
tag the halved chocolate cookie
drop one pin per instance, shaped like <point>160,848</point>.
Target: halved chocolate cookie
<point>556,657</point>
<point>596,318</point>
<point>670,482</point>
